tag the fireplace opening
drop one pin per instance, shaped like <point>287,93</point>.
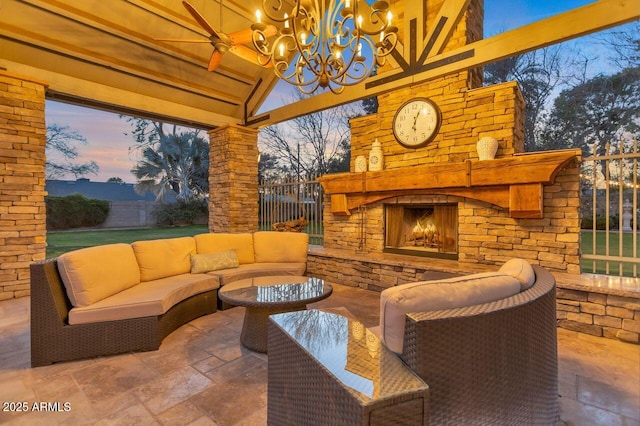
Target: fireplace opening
<point>422,230</point>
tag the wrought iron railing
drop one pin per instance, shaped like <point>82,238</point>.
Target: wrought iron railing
<point>610,210</point>
<point>287,200</point>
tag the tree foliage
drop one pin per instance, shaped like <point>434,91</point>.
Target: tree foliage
<point>172,160</point>
<point>177,163</point>
<point>623,45</point>
<point>62,142</point>
<point>147,133</point>
<point>538,74</point>
<point>316,143</point>
<point>603,109</point>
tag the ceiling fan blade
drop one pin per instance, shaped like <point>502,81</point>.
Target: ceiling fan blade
<point>182,40</point>
<point>200,19</point>
<point>247,54</point>
<point>216,57</point>
<point>245,37</point>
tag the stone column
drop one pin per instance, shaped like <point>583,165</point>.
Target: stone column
<point>22,170</point>
<point>233,179</point>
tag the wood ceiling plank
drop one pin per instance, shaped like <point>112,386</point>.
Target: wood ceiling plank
<point>110,62</point>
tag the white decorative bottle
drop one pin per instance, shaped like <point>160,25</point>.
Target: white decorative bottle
<point>376,157</point>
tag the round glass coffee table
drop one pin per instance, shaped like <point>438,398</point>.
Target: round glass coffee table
<point>263,296</point>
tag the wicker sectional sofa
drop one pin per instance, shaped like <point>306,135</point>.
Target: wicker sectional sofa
<point>120,298</point>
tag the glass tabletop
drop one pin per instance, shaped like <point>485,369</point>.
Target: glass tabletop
<point>351,352</point>
<point>276,290</point>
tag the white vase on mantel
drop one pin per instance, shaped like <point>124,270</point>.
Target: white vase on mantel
<point>361,164</point>
<point>376,157</point>
<point>487,148</point>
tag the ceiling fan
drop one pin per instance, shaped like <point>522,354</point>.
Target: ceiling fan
<point>221,42</point>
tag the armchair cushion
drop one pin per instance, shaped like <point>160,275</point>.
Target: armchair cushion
<point>521,270</point>
<point>438,295</point>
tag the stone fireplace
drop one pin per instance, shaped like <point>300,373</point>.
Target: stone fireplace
<point>429,230</point>
<point>517,205</point>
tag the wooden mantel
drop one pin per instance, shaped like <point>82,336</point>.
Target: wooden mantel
<point>515,182</point>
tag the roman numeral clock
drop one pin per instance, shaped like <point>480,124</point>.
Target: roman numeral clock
<point>416,122</point>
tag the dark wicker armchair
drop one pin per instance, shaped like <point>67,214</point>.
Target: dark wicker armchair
<point>54,340</point>
<point>494,363</point>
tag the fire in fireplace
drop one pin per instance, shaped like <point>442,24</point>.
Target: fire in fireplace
<point>423,230</point>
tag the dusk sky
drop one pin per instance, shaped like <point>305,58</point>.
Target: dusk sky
<point>109,146</point>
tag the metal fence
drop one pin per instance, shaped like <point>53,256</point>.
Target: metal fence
<point>610,210</point>
<point>290,201</point>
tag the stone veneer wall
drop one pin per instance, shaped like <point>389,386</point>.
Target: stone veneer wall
<point>22,175</point>
<point>595,312</point>
<point>233,179</point>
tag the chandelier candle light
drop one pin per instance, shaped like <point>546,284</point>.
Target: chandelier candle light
<point>328,46</point>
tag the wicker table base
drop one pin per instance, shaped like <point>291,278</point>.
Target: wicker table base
<point>255,326</point>
<point>264,296</point>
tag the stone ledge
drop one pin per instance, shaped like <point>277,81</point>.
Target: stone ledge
<point>599,305</point>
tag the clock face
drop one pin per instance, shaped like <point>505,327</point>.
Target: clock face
<point>416,122</point>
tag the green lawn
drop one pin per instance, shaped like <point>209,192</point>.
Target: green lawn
<point>614,250</point>
<point>63,241</point>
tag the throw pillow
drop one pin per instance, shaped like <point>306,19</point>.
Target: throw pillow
<point>201,263</point>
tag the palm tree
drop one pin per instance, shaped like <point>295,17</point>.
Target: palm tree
<point>178,163</point>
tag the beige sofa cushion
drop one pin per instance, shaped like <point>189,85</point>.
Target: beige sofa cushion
<point>149,298</point>
<point>450,293</point>
<point>201,263</point>
<point>164,258</point>
<point>251,270</point>
<point>274,247</point>
<point>214,242</point>
<point>94,273</point>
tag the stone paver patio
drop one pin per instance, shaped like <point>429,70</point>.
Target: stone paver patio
<point>202,376</point>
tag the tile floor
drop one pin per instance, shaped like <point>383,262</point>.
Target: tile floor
<point>202,376</point>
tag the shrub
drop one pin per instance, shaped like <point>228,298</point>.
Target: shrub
<point>75,211</point>
<point>181,213</point>
<point>601,222</point>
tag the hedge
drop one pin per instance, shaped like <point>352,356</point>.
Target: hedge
<point>75,211</point>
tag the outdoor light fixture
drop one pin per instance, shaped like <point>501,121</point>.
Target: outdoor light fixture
<point>325,45</point>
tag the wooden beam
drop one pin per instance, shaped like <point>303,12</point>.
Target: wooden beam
<point>339,205</point>
<point>591,18</point>
<point>525,201</point>
<point>413,30</point>
<point>514,182</point>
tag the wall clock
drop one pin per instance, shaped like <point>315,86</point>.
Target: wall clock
<point>416,122</point>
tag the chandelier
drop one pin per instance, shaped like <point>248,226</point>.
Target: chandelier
<point>324,45</point>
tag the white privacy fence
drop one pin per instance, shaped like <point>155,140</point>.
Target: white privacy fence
<point>289,200</point>
<point>610,210</point>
